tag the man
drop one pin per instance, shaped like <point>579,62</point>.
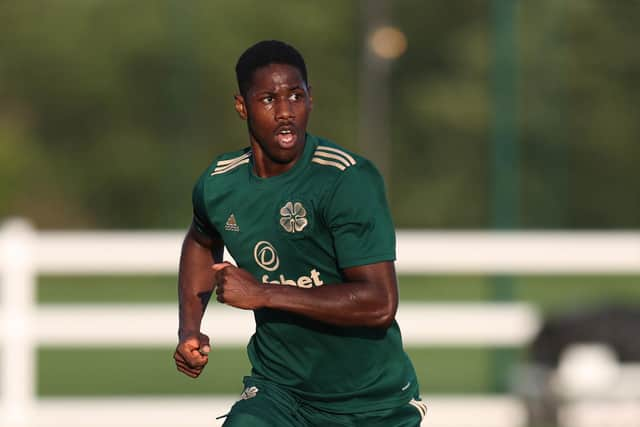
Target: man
<point>309,227</point>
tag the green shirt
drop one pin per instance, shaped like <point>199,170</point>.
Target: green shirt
<point>300,228</point>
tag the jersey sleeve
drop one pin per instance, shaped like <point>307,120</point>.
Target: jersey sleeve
<point>200,217</point>
<point>359,218</point>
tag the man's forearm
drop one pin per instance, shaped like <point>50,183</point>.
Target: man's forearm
<point>368,297</point>
<point>191,312</point>
<point>195,284</point>
<point>343,304</point>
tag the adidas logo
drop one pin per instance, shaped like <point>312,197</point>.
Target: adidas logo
<point>231,224</point>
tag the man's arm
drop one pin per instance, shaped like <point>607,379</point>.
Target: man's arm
<point>368,297</point>
<point>195,285</point>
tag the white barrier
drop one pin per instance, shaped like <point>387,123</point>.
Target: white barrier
<point>468,324</point>
<point>25,253</point>
<point>444,411</point>
<point>418,252</point>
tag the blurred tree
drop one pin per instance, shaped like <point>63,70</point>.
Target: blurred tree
<point>128,105</point>
<point>578,123</point>
<point>441,117</point>
<point>580,116</point>
<point>109,112</point>
<point>603,114</point>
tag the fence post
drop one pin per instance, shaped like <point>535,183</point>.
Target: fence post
<point>17,350</point>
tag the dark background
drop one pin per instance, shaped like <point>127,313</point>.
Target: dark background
<point>109,110</point>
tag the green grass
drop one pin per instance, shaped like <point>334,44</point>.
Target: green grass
<point>126,371</point>
<point>560,293</point>
<point>107,289</point>
<point>550,293</point>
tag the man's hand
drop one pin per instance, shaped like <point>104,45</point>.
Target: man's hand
<point>237,287</point>
<point>191,354</point>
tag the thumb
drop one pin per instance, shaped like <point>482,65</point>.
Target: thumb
<point>220,266</point>
<point>190,347</point>
<point>205,347</point>
<point>191,342</point>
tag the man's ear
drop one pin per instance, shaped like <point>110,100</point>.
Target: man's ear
<point>240,106</point>
<point>310,97</point>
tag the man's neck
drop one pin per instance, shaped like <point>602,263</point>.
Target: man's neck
<point>266,167</point>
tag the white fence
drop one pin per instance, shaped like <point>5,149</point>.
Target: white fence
<point>25,253</point>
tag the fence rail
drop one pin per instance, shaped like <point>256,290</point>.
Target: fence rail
<point>468,324</point>
<point>26,253</point>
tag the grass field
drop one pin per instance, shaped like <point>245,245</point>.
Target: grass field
<point>126,371</point>
<point>550,293</point>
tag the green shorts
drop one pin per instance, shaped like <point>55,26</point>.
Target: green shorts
<point>265,404</point>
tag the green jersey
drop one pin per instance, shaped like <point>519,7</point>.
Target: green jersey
<point>301,228</point>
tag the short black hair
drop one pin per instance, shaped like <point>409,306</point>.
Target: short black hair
<point>264,53</point>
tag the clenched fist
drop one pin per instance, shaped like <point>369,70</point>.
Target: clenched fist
<point>237,287</point>
<point>192,354</point>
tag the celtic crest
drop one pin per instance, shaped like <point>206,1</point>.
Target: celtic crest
<point>293,217</point>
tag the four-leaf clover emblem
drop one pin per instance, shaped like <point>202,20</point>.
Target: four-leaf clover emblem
<point>293,217</point>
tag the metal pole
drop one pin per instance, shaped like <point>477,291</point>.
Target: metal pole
<point>505,169</point>
<point>505,152</point>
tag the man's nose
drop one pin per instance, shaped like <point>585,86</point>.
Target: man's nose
<point>284,109</point>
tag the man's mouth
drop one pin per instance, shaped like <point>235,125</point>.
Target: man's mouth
<point>286,137</point>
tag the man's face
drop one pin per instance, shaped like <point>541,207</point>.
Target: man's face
<point>276,107</point>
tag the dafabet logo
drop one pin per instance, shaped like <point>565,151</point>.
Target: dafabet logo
<point>266,256</point>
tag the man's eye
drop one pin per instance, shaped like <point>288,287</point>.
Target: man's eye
<point>295,97</point>
<point>267,100</point>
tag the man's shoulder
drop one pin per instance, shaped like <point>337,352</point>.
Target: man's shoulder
<point>226,163</point>
<point>230,155</point>
<point>335,159</point>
